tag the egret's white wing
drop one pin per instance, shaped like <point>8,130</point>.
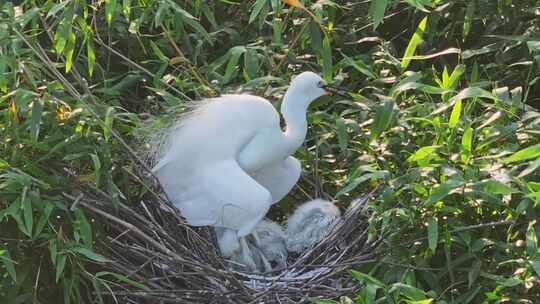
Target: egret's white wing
<point>221,194</point>
<point>280,178</point>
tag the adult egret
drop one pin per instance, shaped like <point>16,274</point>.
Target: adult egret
<point>310,223</point>
<point>225,164</point>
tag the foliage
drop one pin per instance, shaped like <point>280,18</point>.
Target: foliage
<point>442,112</point>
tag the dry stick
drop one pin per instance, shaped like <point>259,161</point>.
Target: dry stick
<point>157,245</point>
<point>149,239</point>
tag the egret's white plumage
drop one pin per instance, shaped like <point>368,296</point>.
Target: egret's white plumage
<point>311,223</point>
<point>228,161</point>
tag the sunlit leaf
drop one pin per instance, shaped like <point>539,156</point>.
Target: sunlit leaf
<point>415,41</point>
<point>443,190</point>
<point>524,154</point>
<point>455,115</point>
<point>466,145</point>
<point>423,153</point>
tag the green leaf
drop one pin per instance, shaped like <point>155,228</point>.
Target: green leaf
<point>455,115</point>
<point>423,153</point>
<point>327,58</point>
<point>415,41</point>
<point>91,56</point>
<point>466,145</point>
<point>474,272</point>
<point>91,254</point>
<point>363,277</point>
<point>377,9</point>
<point>157,51</point>
<point>108,122</point>
<point>5,257</point>
<point>409,291</point>
<point>251,63</point>
<point>60,264</point>
<point>83,227</point>
<point>359,180</point>
<point>433,233</point>
<point>535,264</point>
<point>467,21</point>
<point>343,138</point>
<point>383,119</point>
<point>456,75</point>
<point>257,10</point>
<point>532,241</point>
<point>360,66</point>
<point>110,10</point>
<point>473,92</point>
<point>524,154</point>
<point>44,218</point>
<point>235,54</point>
<point>56,8</point>
<point>123,279</point>
<point>35,122</point>
<point>28,216</point>
<point>443,190</point>
<point>495,187</point>
<point>70,49</point>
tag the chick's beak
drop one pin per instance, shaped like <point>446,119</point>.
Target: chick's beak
<point>333,90</point>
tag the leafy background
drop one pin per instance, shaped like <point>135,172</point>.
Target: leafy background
<point>444,112</point>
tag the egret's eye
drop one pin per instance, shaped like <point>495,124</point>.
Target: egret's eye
<point>321,84</point>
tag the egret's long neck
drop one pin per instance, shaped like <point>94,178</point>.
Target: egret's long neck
<point>294,109</point>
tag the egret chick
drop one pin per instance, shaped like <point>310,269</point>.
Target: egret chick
<point>272,243</point>
<point>310,224</point>
<point>229,161</point>
<point>265,253</point>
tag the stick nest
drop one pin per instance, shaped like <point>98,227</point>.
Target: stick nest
<point>177,263</point>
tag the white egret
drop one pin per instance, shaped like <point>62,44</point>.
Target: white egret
<point>229,161</point>
<point>311,223</point>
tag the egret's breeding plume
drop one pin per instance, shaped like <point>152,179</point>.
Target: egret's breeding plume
<point>310,223</point>
<point>229,161</point>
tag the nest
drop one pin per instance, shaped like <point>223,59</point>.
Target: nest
<point>177,263</point>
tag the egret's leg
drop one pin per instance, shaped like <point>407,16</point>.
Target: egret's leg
<point>227,241</point>
<point>266,264</point>
<point>247,257</point>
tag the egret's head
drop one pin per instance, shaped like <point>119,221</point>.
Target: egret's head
<point>308,84</point>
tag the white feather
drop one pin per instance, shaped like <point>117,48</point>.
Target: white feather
<point>310,223</point>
